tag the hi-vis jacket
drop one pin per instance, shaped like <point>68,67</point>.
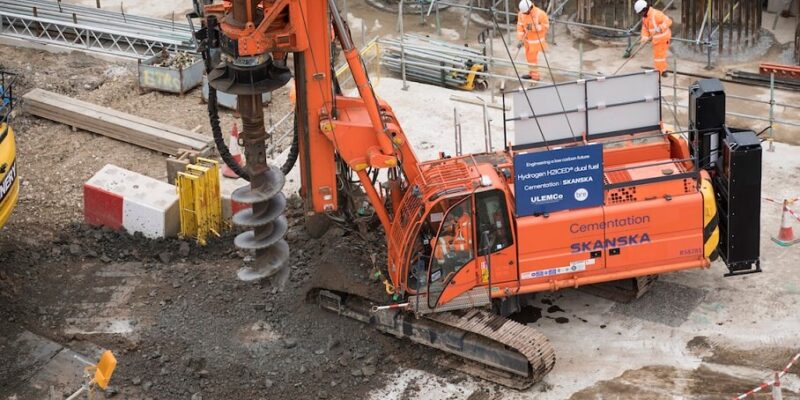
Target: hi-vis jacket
<point>532,27</point>
<point>656,25</point>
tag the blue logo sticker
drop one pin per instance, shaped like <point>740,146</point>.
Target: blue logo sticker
<point>556,180</point>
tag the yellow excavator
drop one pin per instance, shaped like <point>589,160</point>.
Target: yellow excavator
<point>9,184</point>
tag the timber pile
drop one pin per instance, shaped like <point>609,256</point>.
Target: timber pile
<point>114,124</point>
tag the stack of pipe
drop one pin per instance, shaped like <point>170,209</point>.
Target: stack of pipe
<point>110,30</point>
<point>731,24</point>
<point>432,61</point>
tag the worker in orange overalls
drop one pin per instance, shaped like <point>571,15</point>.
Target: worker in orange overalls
<point>655,27</point>
<point>532,26</point>
<point>462,241</point>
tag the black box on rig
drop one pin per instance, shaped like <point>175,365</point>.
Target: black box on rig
<point>706,120</point>
<point>738,187</point>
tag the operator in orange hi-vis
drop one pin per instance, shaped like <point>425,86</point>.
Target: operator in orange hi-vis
<point>532,26</point>
<point>443,248</point>
<point>655,27</point>
<point>463,237</point>
<point>292,93</point>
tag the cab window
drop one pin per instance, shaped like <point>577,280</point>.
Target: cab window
<point>452,249</point>
<point>494,229</point>
<point>423,247</point>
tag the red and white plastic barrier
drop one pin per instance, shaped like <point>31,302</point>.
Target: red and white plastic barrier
<point>793,214</point>
<point>771,200</point>
<point>122,199</point>
<point>775,382</point>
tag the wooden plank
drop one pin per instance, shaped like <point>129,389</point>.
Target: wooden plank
<point>115,124</point>
<point>44,96</point>
<point>112,125</point>
<point>110,122</point>
<point>166,143</point>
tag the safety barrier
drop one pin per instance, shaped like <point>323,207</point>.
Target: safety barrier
<point>791,200</point>
<point>774,383</point>
<point>793,213</point>
<point>200,200</point>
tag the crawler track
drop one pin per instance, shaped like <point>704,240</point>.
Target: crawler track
<point>488,346</point>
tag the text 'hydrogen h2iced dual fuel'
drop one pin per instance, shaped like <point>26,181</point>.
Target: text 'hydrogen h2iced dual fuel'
<point>555,180</point>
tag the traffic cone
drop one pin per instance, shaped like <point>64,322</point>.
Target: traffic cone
<point>786,235</point>
<point>236,152</point>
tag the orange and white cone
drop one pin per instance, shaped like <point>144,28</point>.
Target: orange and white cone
<point>236,152</point>
<point>786,235</point>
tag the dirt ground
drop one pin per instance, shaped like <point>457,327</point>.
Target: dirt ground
<point>197,330</point>
<point>183,327</point>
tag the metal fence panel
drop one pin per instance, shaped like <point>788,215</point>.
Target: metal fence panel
<point>623,103</point>
<point>557,123</point>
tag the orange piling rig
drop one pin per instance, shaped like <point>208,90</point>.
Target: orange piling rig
<point>454,237</point>
<point>634,234</point>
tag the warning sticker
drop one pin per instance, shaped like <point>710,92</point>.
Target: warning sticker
<point>576,266</point>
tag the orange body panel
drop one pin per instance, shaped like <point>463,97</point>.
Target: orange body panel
<point>276,32</point>
<point>316,150</point>
<point>544,242</point>
<point>464,280</point>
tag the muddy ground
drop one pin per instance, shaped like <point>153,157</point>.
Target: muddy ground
<point>174,314</point>
<point>182,326</point>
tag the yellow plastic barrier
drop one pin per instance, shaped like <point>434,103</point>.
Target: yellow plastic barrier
<point>104,369</point>
<point>200,201</point>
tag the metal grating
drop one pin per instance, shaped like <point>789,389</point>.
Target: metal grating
<point>446,173</point>
<point>622,195</point>
<point>89,29</point>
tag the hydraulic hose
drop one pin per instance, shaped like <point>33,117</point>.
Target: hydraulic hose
<point>294,151</point>
<point>219,140</point>
<point>213,107</point>
<point>224,151</point>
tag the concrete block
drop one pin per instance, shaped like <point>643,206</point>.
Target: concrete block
<point>122,199</point>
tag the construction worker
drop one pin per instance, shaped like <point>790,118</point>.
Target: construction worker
<point>532,26</point>
<point>462,241</point>
<point>655,27</point>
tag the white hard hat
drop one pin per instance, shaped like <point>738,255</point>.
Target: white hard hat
<point>639,6</point>
<point>524,5</point>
